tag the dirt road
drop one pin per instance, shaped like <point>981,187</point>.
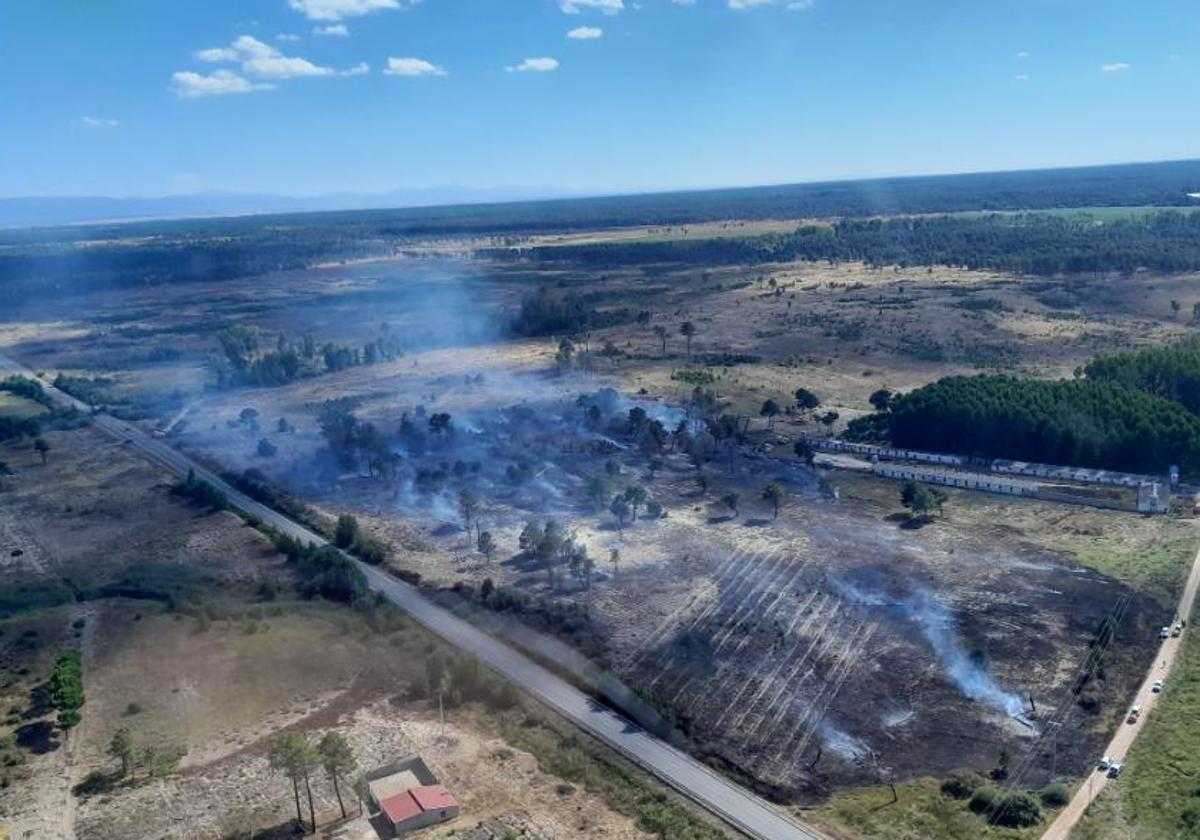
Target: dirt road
<point>740,808</point>
<point>1119,746</point>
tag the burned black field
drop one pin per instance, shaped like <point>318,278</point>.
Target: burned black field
<point>807,649</point>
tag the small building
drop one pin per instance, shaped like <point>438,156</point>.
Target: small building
<point>418,808</point>
<point>405,796</point>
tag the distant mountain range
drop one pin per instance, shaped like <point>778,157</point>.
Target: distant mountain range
<point>66,210</point>
<point>1160,184</point>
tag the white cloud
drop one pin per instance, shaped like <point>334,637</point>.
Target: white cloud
<point>267,62</point>
<point>585,33</point>
<point>259,59</point>
<point>216,54</point>
<point>337,30</point>
<point>189,85</point>
<point>534,65</point>
<point>684,2</point>
<point>1023,54</point>
<point>574,7</point>
<point>1115,67</point>
<point>339,9</point>
<point>412,67</point>
<point>360,69</point>
<point>99,122</point>
<point>287,36</point>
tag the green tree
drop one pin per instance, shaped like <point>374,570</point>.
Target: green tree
<point>292,754</point>
<point>804,451</point>
<point>66,689</point>
<point>636,495</point>
<point>530,538</point>
<point>806,400</point>
<point>661,332</point>
<point>920,498</point>
<point>338,760</point>
<point>770,410</point>
<point>688,330</point>
<point>42,447</point>
<point>122,748</point>
<point>620,509</point>
<point>881,400</point>
<point>281,756</point>
<point>486,544</point>
<point>468,507</point>
<point>345,534</point>
<point>775,494</point>
<point>614,557</point>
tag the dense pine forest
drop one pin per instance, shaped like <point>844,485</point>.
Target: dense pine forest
<point>1028,243</point>
<point>1076,422</point>
<point>1135,411</point>
<point>1169,372</point>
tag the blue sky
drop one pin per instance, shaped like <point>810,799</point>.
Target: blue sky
<point>146,97</point>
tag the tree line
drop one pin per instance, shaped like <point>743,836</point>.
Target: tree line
<point>1080,422</point>
<point>1171,372</point>
<point>1028,243</point>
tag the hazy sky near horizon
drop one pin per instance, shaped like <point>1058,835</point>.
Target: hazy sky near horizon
<point>145,97</point>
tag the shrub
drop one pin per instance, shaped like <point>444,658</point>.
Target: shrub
<point>1056,795</point>
<point>961,785</point>
<point>984,799</point>
<point>1018,810</point>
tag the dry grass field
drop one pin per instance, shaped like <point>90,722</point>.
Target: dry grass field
<point>826,649</point>
<point>208,674</point>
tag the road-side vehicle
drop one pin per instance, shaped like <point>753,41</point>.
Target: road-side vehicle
<point>1105,762</point>
<point>1115,769</point>
<point>1157,686</point>
<point>1164,633</point>
<point>1134,714</point>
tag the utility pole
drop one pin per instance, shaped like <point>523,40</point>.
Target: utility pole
<point>442,713</point>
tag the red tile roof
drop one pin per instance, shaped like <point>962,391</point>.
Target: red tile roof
<point>405,806</point>
<point>400,807</point>
<point>433,798</point>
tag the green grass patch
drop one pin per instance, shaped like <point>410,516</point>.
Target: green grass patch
<point>923,812</point>
<point>1158,794</point>
<point>1157,568</point>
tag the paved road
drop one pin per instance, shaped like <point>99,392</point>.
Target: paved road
<point>1119,746</point>
<point>732,803</point>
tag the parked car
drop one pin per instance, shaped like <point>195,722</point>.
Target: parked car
<point>1157,686</point>
<point>1164,633</point>
<point>1134,714</point>
<point>1178,631</point>
<point>1115,769</point>
<point>1105,762</point>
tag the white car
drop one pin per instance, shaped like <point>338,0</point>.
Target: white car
<point>1157,686</point>
<point>1114,769</point>
<point>1134,714</point>
<point>1164,633</point>
<point>1106,762</point>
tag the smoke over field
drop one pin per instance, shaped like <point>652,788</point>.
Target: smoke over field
<point>803,648</point>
